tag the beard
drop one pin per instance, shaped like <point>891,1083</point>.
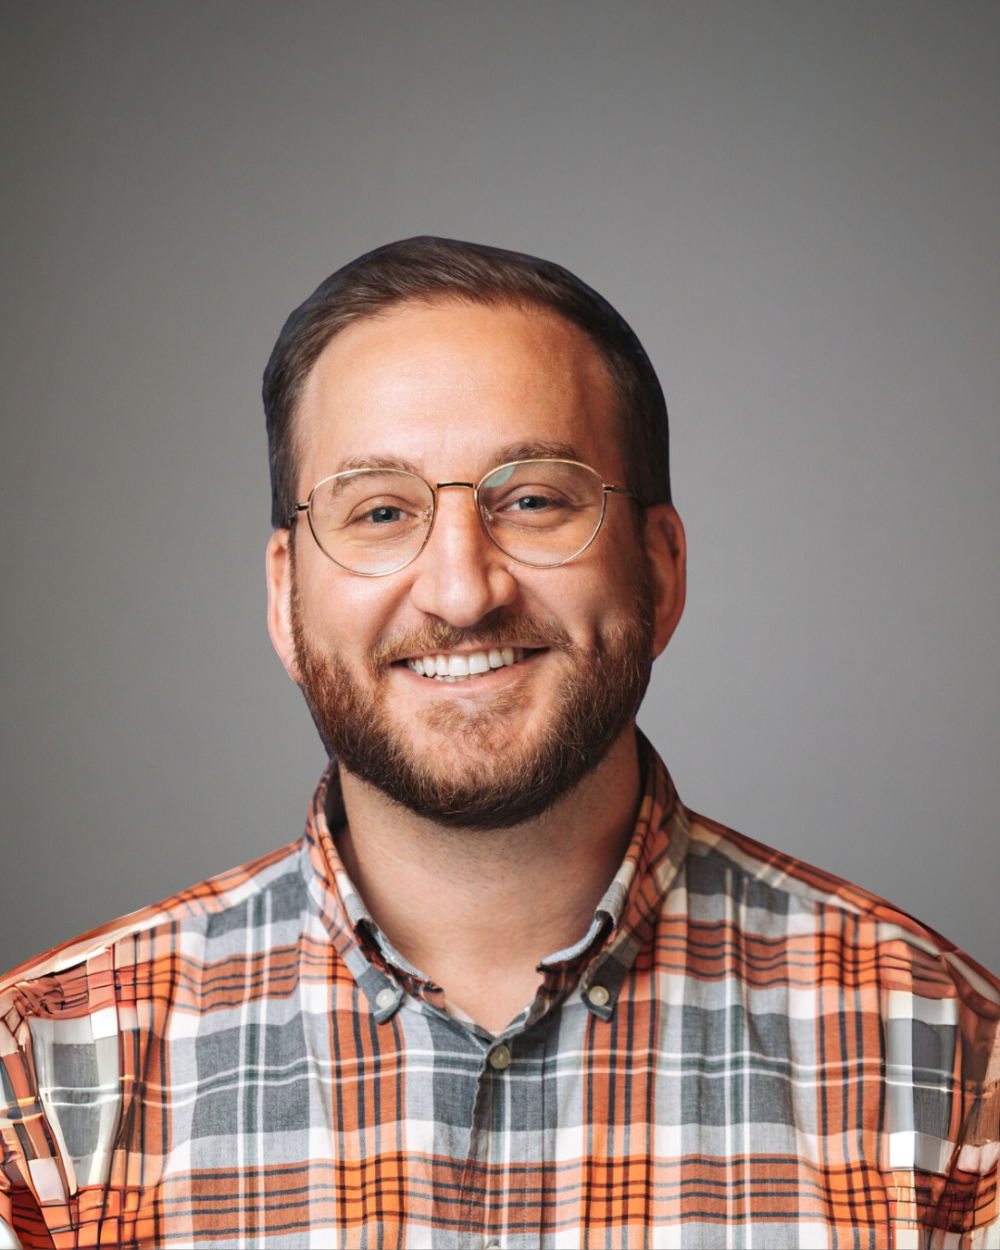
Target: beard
<point>509,781</point>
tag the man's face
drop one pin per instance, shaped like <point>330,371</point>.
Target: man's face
<point>452,390</point>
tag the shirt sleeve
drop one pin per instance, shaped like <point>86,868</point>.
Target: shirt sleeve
<point>974,1171</point>
<point>941,1118</point>
<point>60,1098</point>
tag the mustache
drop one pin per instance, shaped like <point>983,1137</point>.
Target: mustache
<point>494,630</point>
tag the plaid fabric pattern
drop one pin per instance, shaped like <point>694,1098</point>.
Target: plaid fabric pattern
<point>742,1051</point>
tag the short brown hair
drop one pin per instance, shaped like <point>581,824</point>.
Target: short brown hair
<point>428,268</point>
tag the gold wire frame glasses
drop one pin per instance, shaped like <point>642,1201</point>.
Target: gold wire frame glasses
<point>541,512</point>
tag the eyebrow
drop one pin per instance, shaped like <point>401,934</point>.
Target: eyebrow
<point>504,455</point>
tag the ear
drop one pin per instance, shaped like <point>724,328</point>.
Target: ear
<point>278,563</point>
<point>666,549</point>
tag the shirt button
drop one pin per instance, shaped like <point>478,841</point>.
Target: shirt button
<point>385,998</point>
<point>598,995</point>
<point>500,1058</point>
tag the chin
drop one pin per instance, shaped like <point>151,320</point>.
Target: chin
<point>462,725</point>
<point>474,759</point>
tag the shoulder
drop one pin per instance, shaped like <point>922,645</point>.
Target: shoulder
<point>84,1025</point>
<point>160,928</point>
<point>780,894</point>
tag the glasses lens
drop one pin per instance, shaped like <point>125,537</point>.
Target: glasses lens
<point>542,512</point>
<point>371,521</point>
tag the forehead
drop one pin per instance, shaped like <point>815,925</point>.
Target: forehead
<point>446,387</point>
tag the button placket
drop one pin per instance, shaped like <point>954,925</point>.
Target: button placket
<point>499,1059</point>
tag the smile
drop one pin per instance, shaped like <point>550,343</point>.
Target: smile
<point>465,667</point>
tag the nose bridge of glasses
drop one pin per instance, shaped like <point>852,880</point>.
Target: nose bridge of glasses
<point>461,485</point>
<point>453,485</point>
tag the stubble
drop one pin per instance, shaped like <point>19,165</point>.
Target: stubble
<point>502,781</point>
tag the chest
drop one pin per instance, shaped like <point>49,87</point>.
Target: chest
<point>703,1111</point>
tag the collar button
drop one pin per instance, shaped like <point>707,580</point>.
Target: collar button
<point>599,996</point>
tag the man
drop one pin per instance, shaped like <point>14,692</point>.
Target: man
<point>507,990</point>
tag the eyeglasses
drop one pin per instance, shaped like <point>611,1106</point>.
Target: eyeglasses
<point>373,522</point>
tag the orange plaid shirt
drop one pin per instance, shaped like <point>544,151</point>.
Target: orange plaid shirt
<point>742,1050</point>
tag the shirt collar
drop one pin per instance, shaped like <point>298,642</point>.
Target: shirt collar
<point>600,960</point>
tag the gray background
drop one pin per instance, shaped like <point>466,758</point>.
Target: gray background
<point>795,205</point>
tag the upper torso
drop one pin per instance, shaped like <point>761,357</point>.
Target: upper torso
<point>741,1051</point>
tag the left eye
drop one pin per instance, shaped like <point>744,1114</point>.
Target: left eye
<point>531,503</point>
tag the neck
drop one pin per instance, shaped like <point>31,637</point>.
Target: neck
<point>477,910</point>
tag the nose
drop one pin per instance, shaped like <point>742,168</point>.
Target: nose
<point>460,575</point>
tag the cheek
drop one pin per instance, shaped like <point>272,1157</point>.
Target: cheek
<point>339,612</point>
<point>592,597</point>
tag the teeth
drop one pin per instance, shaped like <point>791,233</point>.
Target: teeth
<point>462,667</point>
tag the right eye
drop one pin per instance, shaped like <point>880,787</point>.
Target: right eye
<point>383,514</point>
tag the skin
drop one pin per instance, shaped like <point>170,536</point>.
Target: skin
<point>450,388</point>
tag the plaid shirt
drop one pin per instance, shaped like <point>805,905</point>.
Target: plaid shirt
<point>742,1051</point>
